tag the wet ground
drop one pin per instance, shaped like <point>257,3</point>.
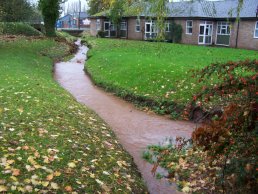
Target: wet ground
<point>135,129</point>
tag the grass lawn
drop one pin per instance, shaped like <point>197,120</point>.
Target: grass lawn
<point>48,142</point>
<point>159,72</point>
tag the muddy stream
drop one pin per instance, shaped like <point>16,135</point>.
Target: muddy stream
<point>135,129</point>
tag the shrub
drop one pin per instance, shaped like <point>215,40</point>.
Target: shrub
<point>16,28</point>
<point>176,32</point>
<point>223,157</point>
<point>66,36</point>
<point>231,139</point>
<point>101,34</point>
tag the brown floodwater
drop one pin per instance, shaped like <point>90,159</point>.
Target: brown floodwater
<point>134,128</point>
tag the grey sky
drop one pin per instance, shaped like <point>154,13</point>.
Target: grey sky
<point>82,1</point>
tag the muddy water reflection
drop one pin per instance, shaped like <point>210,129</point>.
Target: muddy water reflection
<point>135,129</point>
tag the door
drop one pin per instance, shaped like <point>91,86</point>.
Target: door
<point>107,29</point>
<point>148,30</point>
<point>123,29</point>
<point>205,33</point>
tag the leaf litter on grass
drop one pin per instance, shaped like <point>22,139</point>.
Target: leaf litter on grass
<point>48,142</point>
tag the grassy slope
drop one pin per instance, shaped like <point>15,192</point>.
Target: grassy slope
<point>49,142</point>
<point>158,71</point>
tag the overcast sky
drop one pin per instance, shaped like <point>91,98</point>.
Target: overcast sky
<point>82,1</point>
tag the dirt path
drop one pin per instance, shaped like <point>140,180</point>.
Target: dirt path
<point>135,129</point>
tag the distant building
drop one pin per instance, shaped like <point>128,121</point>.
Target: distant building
<point>203,23</point>
<point>72,21</point>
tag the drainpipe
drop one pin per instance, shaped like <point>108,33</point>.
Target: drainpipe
<point>238,22</point>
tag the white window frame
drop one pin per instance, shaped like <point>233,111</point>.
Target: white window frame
<point>153,29</point>
<point>207,25</point>
<point>138,24</point>
<point>107,30</point>
<point>188,27</point>
<point>223,26</point>
<point>112,27</point>
<point>167,26</point>
<point>98,26</point>
<point>255,29</point>
<point>123,26</point>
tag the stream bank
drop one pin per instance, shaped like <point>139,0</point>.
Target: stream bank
<point>134,129</point>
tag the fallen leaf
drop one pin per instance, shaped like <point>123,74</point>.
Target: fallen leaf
<point>3,188</point>
<point>99,182</point>
<point>45,183</point>
<point>54,186</point>
<point>16,172</point>
<point>68,188</point>
<point>57,173</point>
<point>50,177</point>
<point>72,165</point>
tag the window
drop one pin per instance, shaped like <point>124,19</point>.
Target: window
<point>138,25</point>
<point>98,27</point>
<point>112,27</point>
<point>189,27</point>
<point>123,26</point>
<point>223,28</point>
<point>256,30</point>
<point>167,27</point>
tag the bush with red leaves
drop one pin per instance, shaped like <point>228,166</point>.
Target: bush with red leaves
<point>234,135</point>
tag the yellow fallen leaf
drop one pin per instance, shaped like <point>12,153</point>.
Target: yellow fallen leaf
<point>13,188</point>
<point>57,173</point>
<point>54,186</point>
<point>3,188</point>
<point>72,165</point>
<point>20,110</point>
<point>44,183</point>
<point>10,162</point>
<point>186,189</point>
<point>13,178</point>
<point>99,182</point>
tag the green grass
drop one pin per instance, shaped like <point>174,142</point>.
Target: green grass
<point>18,28</point>
<point>48,141</point>
<point>154,72</point>
<point>66,35</point>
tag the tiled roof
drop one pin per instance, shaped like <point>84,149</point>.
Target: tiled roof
<point>82,15</point>
<point>202,9</point>
<point>213,9</point>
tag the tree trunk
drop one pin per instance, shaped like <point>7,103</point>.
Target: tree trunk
<point>50,28</point>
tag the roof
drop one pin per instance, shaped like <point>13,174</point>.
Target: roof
<point>66,17</point>
<point>213,9</point>
<point>202,9</point>
<point>83,15</point>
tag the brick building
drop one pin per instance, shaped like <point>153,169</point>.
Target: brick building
<point>203,23</point>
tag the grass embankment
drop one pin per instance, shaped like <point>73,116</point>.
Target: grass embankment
<point>156,75</point>
<point>18,28</point>
<point>48,142</point>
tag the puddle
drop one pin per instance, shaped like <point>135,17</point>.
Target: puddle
<point>135,129</point>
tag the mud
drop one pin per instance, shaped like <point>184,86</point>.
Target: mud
<point>134,129</point>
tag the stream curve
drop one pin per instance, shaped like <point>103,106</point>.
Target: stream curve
<point>134,129</point>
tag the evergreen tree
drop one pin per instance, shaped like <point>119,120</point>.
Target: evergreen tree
<point>15,10</point>
<point>50,11</point>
